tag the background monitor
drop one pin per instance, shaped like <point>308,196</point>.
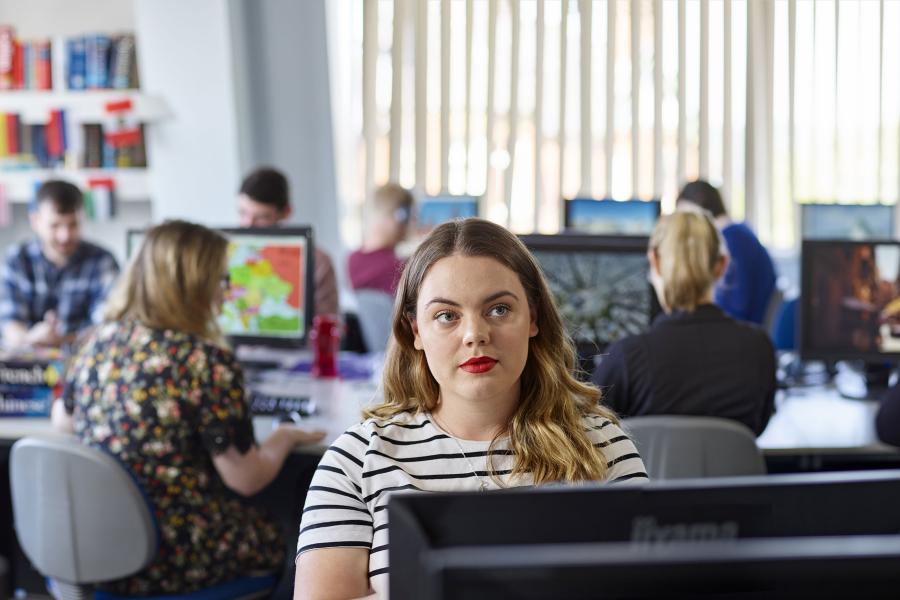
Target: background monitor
<point>600,285</point>
<point>850,300</point>
<point>611,217</point>
<point>431,534</point>
<point>270,302</point>
<point>435,210</point>
<point>847,221</point>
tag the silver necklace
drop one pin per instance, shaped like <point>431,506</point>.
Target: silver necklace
<point>481,482</point>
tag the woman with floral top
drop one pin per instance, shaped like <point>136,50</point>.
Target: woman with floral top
<point>156,387</point>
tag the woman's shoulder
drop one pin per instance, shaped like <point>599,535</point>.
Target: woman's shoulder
<point>400,427</point>
<point>618,449</point>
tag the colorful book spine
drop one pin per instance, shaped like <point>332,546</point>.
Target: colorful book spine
<point>28,388</point>
<point>7,57</point>
<point>97,57</point>
<point>77,64</point>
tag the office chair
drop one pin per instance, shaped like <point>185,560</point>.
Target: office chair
<point>375,309</point>
<point>81,519</point>
<point>678,446</point>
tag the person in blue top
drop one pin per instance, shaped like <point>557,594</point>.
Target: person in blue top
<point>746,289</point>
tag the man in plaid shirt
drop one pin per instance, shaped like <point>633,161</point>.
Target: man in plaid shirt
<point>54,285</point>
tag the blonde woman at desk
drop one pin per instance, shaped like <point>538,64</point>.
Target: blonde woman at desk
<point>695,359</point>
<point>479,394</point>
<point>156,387</point>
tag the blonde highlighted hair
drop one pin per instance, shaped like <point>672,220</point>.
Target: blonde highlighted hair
<point>174,281</point>
<point>688,247</point>
<point>546,432</point>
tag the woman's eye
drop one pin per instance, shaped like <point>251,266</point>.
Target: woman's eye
<point>500,310</point>
<point>444,317</point>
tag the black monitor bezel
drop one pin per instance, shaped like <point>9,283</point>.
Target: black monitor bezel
<point>804,316</point>
<point>309,287</point>
<point>766,506</point>
<point>587,242</point>
<point>567,209</point>
<point>805,207</point>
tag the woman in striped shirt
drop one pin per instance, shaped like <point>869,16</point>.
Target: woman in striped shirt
<point>479,394</point>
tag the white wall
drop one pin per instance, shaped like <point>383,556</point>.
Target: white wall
<point>47,18</point>
<point>185,56</point>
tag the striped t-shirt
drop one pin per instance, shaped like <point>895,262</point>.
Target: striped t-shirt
<point>346,505</point>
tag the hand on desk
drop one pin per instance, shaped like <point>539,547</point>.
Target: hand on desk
<point>301,435</point>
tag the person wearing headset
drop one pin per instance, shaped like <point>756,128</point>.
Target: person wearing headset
<point>376,265</point>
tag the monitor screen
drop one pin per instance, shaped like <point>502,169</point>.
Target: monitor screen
<point>435,210</point>
<point>271,294</point>
<point>600,285</point>
<point>611,217</point>
<point>847,221</point>
<point>850,300</point>
<point>425,528</point>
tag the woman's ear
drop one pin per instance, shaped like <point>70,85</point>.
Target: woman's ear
<point>720,267</point>
<point>653,258</point>
<point>417,341</point>
<point>533,328</point>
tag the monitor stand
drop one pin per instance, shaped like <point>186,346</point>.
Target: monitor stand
<point>863,380</point>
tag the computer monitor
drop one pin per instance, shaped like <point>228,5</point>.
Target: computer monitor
<point>850,300</point>
<point>759,569</point>
<point>600,285</point>
<point>270,302</point>
<point>847,221</point>
<point>435,210</point>
<point>424,527</point>
<point>611,217</point>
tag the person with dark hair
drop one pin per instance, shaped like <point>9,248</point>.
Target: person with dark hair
<point>695,359</point>
<point>54,285</point>
<point>376,266</point>
<point>264,201</point>
<point>746,289</point>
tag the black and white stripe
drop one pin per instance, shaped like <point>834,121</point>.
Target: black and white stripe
<point>346,503</point>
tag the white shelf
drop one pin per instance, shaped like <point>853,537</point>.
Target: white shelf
<point>132,185</point>
<point>81,106</point>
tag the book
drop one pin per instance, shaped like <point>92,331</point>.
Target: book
<point>76,60</point>
<point>7,57</point>
<point>28,387</point>
<point>121,62</point>
<point>97,61</point>
<point>92,134</point>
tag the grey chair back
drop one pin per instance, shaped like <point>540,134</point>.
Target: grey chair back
<point>678,447</point>
<point>375,308</point>
<point>79,515</point>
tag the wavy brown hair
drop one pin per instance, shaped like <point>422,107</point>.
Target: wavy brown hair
<point>547,431</point>
<point>173,281</point>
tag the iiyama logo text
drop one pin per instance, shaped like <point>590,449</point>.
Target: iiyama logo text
<point>647,530</point>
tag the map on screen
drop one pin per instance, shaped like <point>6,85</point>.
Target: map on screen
<point>266,295</point>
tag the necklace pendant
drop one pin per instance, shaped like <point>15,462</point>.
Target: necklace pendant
<point>483,486</point>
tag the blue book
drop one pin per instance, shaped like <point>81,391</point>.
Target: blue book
<point>76,61</point>
<point>97,59</point>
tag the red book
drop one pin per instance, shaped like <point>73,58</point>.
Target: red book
<point>12,133</point>
<point>42,70</point>
<point>18,66</point>
<point>54,147</point>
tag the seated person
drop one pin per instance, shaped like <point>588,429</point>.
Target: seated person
<point>156,387</point>
<point>695,359</point>
<point>479,394</point>
<point>264,201</point>
<point>746,290</point>
<point>54,285</point>
<point>376,266</point>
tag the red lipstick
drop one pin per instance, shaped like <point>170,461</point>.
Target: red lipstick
<point>479,364</point>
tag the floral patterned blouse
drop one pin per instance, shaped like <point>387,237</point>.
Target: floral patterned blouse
<point>163,402</point>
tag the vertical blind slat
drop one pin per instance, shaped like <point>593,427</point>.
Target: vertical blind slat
<point>370,56</point>
<point>658,172</point>
<point>538,112</point>
<point>445,94</point>
<point>396,89</point>
<point>682,107</point>
<point>584,66</point>
<point>704,89</point>
<point>561,132</point>
<point>727,141</point>
<point>635,98</point>
<point>489,128</point>
<point>421,95</point>
<point>513,114</point>
<point>468,134</point>
<point>610,134</point>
